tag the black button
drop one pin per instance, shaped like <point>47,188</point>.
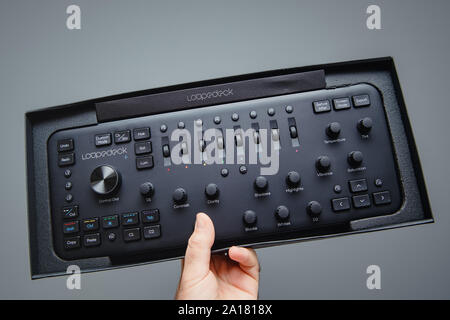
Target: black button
<point>341,103</point>
<point>129,219</point>
<point>340,204</point>
<point>293,132</point>
<point>111,236</point>
<point>68,185</point>
<point>69,197</point>
<point>271,112</point>
<point>92,240</point>
<point>166,151</point>
<point>143,147</point>
<point>141,133</point>
<point>131,234</point>
<point>144,162</point>
<point>243,169</point>
<point>358,185</point>
<point>72,243</point>
<point>103,139</point>
<point>71,227</point>
<point>66,159</point>
<point>378,182</point>
<point>235,117</point>
<point>253,114</point>
<point>70,212</point>
<point>163,128</point>
<point>152,232</point>
<point>321,106</point>
<point>224,172</point>
<point>110,222</point>
<point>337,188</point>
<point>90,224</point>
<point>122,136</point>
<point>361,201</point>
<point>217,120</point>
<point>381,198</point>
<point>65,145</point>
<point>361,101</point>
<point>289,109</point>
<point>150,216</point>
<point>67,173</point>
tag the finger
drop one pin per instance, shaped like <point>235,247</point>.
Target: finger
<point>247,259</point>
<point>198,252</point>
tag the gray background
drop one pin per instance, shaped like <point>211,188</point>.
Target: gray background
<point>133,45</point>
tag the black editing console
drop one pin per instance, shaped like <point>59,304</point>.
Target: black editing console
<point>116,187</point>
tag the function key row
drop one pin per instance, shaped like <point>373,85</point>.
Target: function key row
<point>105,139</point>
<point>361,201</point>
<point>341,103</point>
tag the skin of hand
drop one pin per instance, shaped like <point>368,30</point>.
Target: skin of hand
<point>223,277</point>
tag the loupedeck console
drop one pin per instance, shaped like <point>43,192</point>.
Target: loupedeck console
<point>127,186</point>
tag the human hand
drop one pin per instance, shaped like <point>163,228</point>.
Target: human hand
<point>206,276</point>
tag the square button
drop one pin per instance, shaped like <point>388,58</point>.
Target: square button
<point>122,136</point>
<point>110,222</point>
<point>90,224</point>
<point>65,145</point>
<point>340,204</point>
<point>70,212</point>
<point>131,234</point>
<point>144,162</point>
<point>361,101</point>
<point>381,198</point>
<point>152,232</point>
<point>92,240</point>
<point>141,133</point>
<point>103,139</point>
<point>361,201</point>
<point>143,147</point>
<point>66,159</point>
<point>72,243</point>
<point>358,185</point>
<point>129,219</point>
<point>322,106</point>
<point>150,216</point>
<point>71,227</point>
<point>341,103</point>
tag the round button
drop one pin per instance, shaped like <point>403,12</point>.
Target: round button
<point>181,125</point>
<point>147,189</point>
<point>333,130</point>
<point>282,213</point>
<point>289,109</point>
<point>235,117</point>
<point>365,125</point>
<point>271,112</point>
<point>355,158</point>
<point>163,128</point>
<point>67,173</point>
<point>212,191</point>
<point>314,209</point>
<point>111,236</point>
<point>249,217</point>
<point>69,197</point>
<point>217,120</point>
<point>199,122</point>
<point>179,196</point>
<point>378,182</point>
<point>105,180</point>
<point>323,164</point>
<point>243,169</point>
<point>261,184</point>
<point>337,188</point>
<point>253,114</point>
<point>293,179</point>
<point>224,172</point>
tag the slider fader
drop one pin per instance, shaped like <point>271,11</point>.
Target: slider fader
<point>116,189</point>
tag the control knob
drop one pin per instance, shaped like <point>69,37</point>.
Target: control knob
<point>282,213</point>
<point>333,130</point>
<point>261,184</point>
<point>323,164</point>
<point>147,189</point>
<point>355,158</point>
<point>249,217</point>
<point>314,209</point>
<point>105,180</point>
<point>179,196</point>
<point>212,191</point>
<point>364,125</point>
<point>293,179</point>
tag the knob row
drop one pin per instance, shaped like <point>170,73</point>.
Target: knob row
<point>334,128</point>
<point>354,158</point>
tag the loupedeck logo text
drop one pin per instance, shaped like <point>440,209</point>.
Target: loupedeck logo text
<point>106,153</point>
<point>210,95</point>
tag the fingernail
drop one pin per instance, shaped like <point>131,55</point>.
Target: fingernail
<point>199,223</point>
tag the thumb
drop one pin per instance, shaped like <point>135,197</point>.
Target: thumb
<point>198,252</point>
